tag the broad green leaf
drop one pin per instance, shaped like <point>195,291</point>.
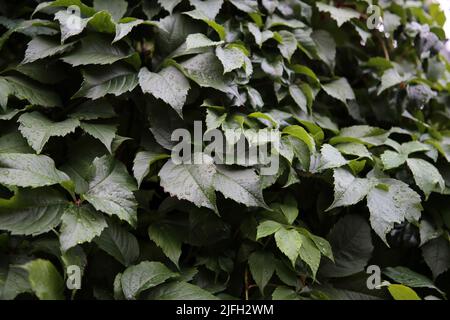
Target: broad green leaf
<point>33,92</point>
<point>38,129</point>
<point>32,212</point>
<point>339,89</point>
<point>169,85</point>
<point>45,280</point>
<point>192,182</point>
<point>288,44</point>
<point>80,224</point>
<point>391,206</point>
<point>389,79</point>
<point>243,186</point>
<point>352,246</point>
<point>29,170</point>
<point>199,15</point>
<point>119,243</point>
<point>14,143</point>
<point>262,267</point>
<point>91,110</point>
<point>289,241</point>
<point>299,97</point>
<point>44,47</point>
<point>169,5</point>
<point>207,71</point>
<point>16,282</point>
<point>341,15</point>
<point>101,81</point>
<point>437,255</point>
<point>180,291</point>
<point>209,7</point>
<point>330,157</point>
<point>111,189</point>
<point>370,136</point>
<point>392,159</point>
<point>267,228</point>
<point>143,276</point>
<point>231,58</point>
<point>284,293</point>
<point>409,278</point>
<point>103,132</point>
<point>348,189</point>
<point>426,175</point>
<point>325,47</point>
<point>301,134</point>
<point>97,50</point>
<point>310,254</point>
<point>143,162</point>
<point>117,8</point>
<point>167,238</point>
<point>401,292</point>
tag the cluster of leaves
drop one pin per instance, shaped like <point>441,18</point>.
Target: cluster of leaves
<point>86,178</point>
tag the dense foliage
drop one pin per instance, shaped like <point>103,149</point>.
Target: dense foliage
<point>86,179</point>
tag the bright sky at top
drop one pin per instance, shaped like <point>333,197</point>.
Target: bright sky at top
<point>445,5</point>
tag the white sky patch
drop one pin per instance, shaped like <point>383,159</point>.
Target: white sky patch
<point>445,5</point>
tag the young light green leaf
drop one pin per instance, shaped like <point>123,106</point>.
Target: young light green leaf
<point>45,280</point>
<point>289,241</point>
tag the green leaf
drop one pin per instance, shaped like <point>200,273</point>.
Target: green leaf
<point>310,254</point>
<point>352,247</point>
<point>111,189</point>
<point>209,7</point>
<point>436,253</point>
<point>44,47</point>
<point>117,8</point>
<point>409,278</point>
<point>180,291</point>
<point>32,212</point>
<point>192,182</point>
<point>38,129</point>
<point>299,97</point>
<point>101,81</point>
<point>426,175</point>
<point>392,159</point>
<point>267,228</point>
<point>348,189</point>
<point>45,280</point>
<point>29,170</point>
<point>288,44</point>
<point>301,134</point>
<point>207,71</point>
<point>167,238</point>
<point>97,50</point>
<point>389,79</point>
<point>143,162</point>
<point>119,243</point>
<point>199,15</point>
<point>401,292</point>
<point>80,224</point>
<point>339,89</point>
<point>243,186</point>
<point>91,110</point>
<point>169,5</point>
<point>341,15</point>
<point>391,206</point>
<point>169,85</point>
<point>262,267</point>
<point>14,143</point>
<point>16,282</point>
<point>33,92</point>
<point>231,58</point>
<point>330,158</point>
<point>143,276</point>
<point>106,133</point>
<point>289,241</point>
